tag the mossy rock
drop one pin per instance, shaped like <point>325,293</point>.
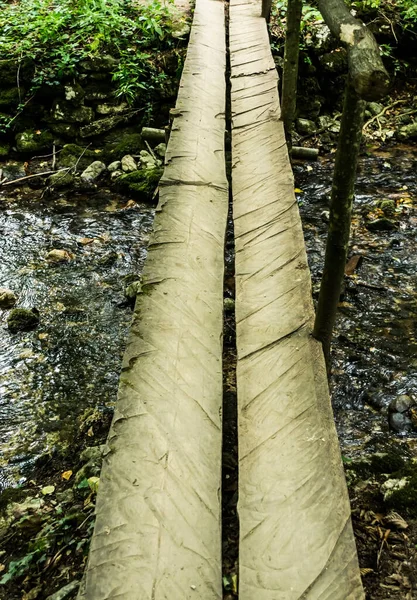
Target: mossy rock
<point>66,130</point>
<point>388,207</point>
<point>131,143</point>
<point>4,150</point>
<point>65,111</point>
<point>140,184</point>
<point>9,97</point>
<point>10,67</point>
<point>32,141</point>
<point>71,154</point>
<point>22,319</point>
<point>405,498</point>
<point>61,180</point>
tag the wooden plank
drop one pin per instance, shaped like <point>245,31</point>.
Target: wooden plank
<point>296,538</point>
<point>158,532</point>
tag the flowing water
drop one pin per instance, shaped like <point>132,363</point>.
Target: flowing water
<point>71,361</point>
<point>374,350</point>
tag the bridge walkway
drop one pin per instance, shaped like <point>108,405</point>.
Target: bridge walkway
<point>158,526</point>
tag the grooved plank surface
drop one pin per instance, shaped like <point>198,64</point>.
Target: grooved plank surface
<point>296,539</point>
<point>158,532</point>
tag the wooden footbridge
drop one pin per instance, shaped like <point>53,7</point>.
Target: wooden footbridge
<point>158,530</point>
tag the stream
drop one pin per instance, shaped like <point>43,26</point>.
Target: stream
<point>71,361</point>
<point>374,349</point>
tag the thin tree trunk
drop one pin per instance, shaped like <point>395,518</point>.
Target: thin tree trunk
<point>290,73</point>
<point>368,74</point>
<point>266,9</point>
<point>340,216</point>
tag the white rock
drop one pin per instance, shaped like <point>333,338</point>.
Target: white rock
<point>129,164</point>
<point>114,166</point>
<point>93,172</point>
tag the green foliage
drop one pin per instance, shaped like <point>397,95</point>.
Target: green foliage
<point>57,35</point>
<point>404,10</point>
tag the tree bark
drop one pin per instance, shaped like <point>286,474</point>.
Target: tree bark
<point>266,9</point>
<point>368,74</point>
<point>340,216</point>
<point>290,71</point>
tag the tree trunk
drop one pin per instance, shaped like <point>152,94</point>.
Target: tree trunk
<point>290,72</point>
<point>340,216</point>
<point>266,9</point>
<point>367,72</point>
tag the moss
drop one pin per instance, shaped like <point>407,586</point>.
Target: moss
<point>388,462</point>
<point>140,184</point>
<point>31,141</point>
<point>388,207</point>
<point>4,150</point>
<point>22,319</point>
<point>9,97</point>
<point>61,180</point>
<point>131,143</point>
<point>10,495</point>
<point>405,499</point>
<point>71,153</point>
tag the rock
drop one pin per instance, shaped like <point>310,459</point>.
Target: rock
<point>114,166</point>
<point>7,298</point>
<point>111,109</point>
<point>133,289</point>
<point>102,125</point>
<point>94,92</point>
<point>153,136</point>
<point>400,423</point>
<point>57,255</point>
<point>392,485</point>
<point>22,319</point>
<point>181,29</point>
<point>160,150</point>
<point>141,184</point>
<point>69,130</point>
<point>131,143</point>
<point>328,123</point>
<point>108,259</point>
<point>115,175</point>
<point>60,180</point>
<point>65,591</point>
<point>129,164</point>
<point>33,141</point>
<point>93,172</point>
<point>9,98</point>
<point>4,150</point>
<point>105,64</point>
<point>92,453</point>
<point>147,160</point>
<point>90,469</point>
<point>401,404</point>
<point>408,131</point>
<point>388,207</point>
<point>72,155</point>
<point>374,108</point>
<point>65,111</point>
<point>229,304</point>
<point>65,497</point>
<point>382,224</point>
<point>305,126</point>
<point>12,171</point>
<point>74,93</point>
<point>334,62</point>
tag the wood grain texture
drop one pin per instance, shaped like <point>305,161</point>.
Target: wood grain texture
<point>296,539</point>
<point>158,532</point>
